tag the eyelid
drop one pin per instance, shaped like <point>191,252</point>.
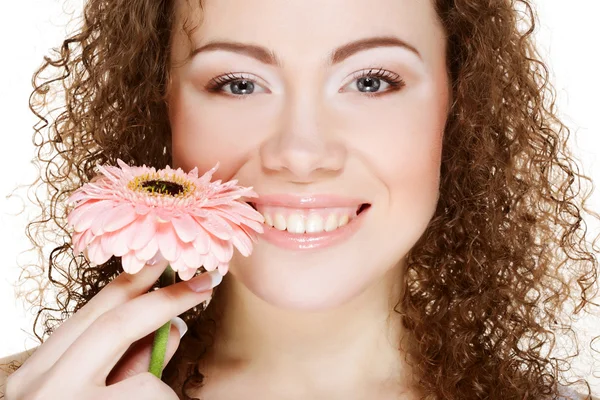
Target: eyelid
<point>376,71</point>
<point>228,77</point>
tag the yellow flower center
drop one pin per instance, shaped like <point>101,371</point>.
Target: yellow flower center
<point>173,186</point>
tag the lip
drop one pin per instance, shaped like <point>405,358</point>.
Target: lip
<point>313,241</point>
<point>308,201</point>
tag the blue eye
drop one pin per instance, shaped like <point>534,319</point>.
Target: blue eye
<point>238,85</point>
<point>368,81</point>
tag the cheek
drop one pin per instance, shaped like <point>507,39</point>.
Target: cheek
<point>402,142</point>
<point>205,131</point>
<point>412,173</point>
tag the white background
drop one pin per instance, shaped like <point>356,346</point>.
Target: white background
<point>568,36</point>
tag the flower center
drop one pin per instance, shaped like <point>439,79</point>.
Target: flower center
<point>162,187</point>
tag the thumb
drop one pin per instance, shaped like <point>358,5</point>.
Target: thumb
<point>137,358</point>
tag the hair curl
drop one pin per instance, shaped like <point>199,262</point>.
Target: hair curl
<point>489,281</point>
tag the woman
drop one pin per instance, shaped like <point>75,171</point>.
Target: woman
<point>422,127</point>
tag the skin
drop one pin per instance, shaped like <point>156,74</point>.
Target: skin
<point>308,128</point>
<point>112,334</point>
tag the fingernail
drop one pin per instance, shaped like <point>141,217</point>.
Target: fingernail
<point>205,281</point>
<point>180,325</point>
<point>158,259</point>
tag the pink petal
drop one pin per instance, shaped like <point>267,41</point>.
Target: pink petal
<point>99,221</point>
<point>246,211</point>
<point>124,237</point>
<point>230,216</point>
<point>131,264</point>
<point>210,262</point>
<point>75,240</point>
<point>148,251</point>
<point>116,242</point>
<point>216,226</point>
<point>167,241</point>
<point>223,268</point>
<point>190,256</point>
<point>145,230</point>
<point>91,213</point>
<point>119,217</point>
<point>187,274</point>
<point>142,209</point>
<point>106,241</point>
<point>205,179</point>
<point>96,254</point>
<point>199,213</point>
<point>255,226</point>
<point>222,249</point>
<point>243,244</point>
<point>163,214</point>
<point>78,211</point>
<point>186,227</point>
<point>178,265</point>
<point>81,240</point>
<point>75,197</point>
<point>158,259</point>
<point>252,235</point>
<point>202,242</point>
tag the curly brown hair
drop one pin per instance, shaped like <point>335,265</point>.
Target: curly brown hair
<point>499,270</point>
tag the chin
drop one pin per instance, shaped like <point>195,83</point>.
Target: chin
<point>306,282</point>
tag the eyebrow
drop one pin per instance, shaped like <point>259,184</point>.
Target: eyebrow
<point>268,57</point>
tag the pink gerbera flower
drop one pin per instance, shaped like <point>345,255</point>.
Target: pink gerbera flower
<point>139,213</point>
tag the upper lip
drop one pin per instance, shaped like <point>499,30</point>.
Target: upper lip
<point>308,200</point>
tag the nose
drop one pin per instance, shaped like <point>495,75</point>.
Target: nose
<point>303,148</point>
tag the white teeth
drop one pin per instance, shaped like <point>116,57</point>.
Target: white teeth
<point>307,220</point>
<point>331,223</point>
<point>280,222</point>
<point>268,219</point>
<point>314,223</point>
<point>343,220</point>
<point>295,223</point>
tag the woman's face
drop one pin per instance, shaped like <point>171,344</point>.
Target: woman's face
<point>309,113</point>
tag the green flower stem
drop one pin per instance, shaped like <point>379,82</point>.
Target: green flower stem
<point>161,336</point>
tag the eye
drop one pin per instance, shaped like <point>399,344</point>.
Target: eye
<point>370,82</point>
<point>235,85</point>
<point>378,81</point>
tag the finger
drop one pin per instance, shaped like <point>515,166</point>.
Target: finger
<point>113,332</point>
<point>120,290</point>
<point>141,386</point>
<point>137,358</point>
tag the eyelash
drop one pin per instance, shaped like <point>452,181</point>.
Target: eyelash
<point>394,80</point>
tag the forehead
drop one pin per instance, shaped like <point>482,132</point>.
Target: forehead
<point>300,31</point>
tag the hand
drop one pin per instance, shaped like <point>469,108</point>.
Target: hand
<point>103,350</point>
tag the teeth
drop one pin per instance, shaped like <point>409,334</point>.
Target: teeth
<point>268,219</point>
<point>331,223</point>
<point>314,224</point>
<point>295,224</point>
<point>309,220</point>
<point>344,219</point>
<point>280,222</point>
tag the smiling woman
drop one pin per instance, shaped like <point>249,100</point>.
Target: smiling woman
<point>416,190</point>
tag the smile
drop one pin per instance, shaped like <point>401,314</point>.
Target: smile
<point>309,222</point>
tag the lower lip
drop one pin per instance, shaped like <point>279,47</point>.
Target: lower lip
<point>312,241</point>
